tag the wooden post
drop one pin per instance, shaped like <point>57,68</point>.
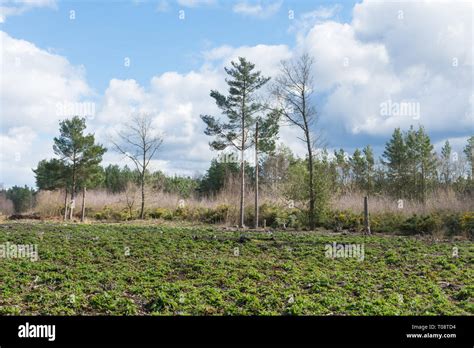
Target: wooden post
<point>256,175</point>
<point>366,215</point>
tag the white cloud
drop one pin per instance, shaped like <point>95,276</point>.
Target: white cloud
<point>19,154</point>
<point>32,82</point>
<point>359,65</point>
<point>162,6</point>
<point>196,3</point>
<point>177,100</point>
<point>18,7</point>
<point>258,9</point>
<point>379,57</point>
<point>265,57</point>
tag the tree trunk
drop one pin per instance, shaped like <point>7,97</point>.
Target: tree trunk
<point>73,190</point>
<point>142,209</point>
<point>72,204</point>
<point>65,203</point>
<point>242,187</point>
<point>311,184</point>
<point>423,188</point>
<point>256,175</point>
<point>83,214</point>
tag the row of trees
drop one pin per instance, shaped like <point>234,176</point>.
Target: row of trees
<point>250,119</point>
<point>279,172</point>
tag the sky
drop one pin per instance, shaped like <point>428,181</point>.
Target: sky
<point>378,65</point>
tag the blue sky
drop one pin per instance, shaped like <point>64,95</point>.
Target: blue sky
<point>103,33</point>
<point>368,54</point>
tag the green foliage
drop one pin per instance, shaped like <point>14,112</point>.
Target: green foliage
<point>216,176</point>
<point>467,224</point>
<point>296,186</point>
<point>116,178</point>
<point>469,153</point>
<point>344,220</point>
<point>386,222</point>
<point>108,214</point>
<point>51,174</point>
<point>411,164</point>
<point>193,271</point>
<point>22,198</point>
<point>278,217</point>
<point>422,224</point>
<point>78,151</point>
<point>239,106</point>
<point>161,213</point>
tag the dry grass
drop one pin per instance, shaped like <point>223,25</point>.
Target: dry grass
<point>50,203</point>
<point>6,205</point>
<point>440,201</point>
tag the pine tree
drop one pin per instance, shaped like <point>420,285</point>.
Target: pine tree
<point>412,185</point>
<point>78,152</point>
<point>242,108</point>
<point>469,152</point>
<point>427,162</point>
<point>342,168</point>
<point>445,164</point>
<point>395,156</point>
<point>51,175</point>
<point>358,166</point>
<point>369,169</point>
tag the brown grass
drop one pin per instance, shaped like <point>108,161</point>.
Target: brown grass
<point>50,203</point>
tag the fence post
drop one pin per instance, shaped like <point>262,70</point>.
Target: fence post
<point>366,215</point>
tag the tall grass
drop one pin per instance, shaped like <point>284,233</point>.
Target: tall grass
<point>50,203</point>
<point>441,200</point>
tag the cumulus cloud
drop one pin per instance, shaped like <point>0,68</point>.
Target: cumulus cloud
<point>259,9</point>
<point>196,3</point>
<point>17,7</point>
<point>33,83</point>
<point>390,55</point>
<point>395,53</point>
<point>176,101</point>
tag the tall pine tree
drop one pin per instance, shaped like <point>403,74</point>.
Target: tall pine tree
<point>241,108</point>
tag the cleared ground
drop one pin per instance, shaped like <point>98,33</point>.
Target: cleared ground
<point>150,269</point>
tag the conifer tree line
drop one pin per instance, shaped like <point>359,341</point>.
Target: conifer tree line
<point>249,119</point>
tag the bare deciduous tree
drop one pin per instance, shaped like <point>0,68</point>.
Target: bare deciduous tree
<point>130,197</point>
<point>294,91</point>
<point>139,142</point>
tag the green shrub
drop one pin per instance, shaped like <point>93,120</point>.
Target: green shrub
<point>467,224</point>
<point>100,215</point>
<point>120,216</point>
<point>419,224</point>
<point>386,222</point>
<point>344,220</point>
<point>452,224</point>
<point>182,213</point>
<point>159,213</point>
<point>219,214</point>
<point>276,216</point>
